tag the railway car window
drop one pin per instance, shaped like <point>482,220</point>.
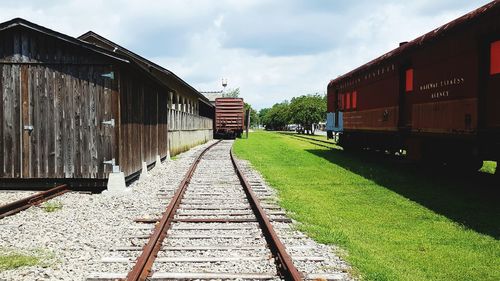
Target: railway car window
<point>348,101</point>
<point>495,58</point>
<point>409,80</point>
<point>354,100</point>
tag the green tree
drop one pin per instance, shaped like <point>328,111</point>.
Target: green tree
<point>307,110</point>
<point>231,93</point>
<point>262,114</point>
<point>276,117</point>
<point>254,117</point>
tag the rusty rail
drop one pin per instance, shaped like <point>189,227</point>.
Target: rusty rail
<point>35,199</point>
<point>144,262</point>
<point>283,260</point>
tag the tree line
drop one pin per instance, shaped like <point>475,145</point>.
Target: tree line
<point>303,111</point>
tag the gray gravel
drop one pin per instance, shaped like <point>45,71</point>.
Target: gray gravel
<point>215,180</point>
<point>7,197</point>
<point>76,238</point>
<point>90,229</point>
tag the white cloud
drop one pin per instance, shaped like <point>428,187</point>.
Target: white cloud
<point>218,21</point>
<point>271,49</point>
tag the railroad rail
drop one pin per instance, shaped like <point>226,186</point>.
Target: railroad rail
<point>214,227</point>
<point>35,199</point>
<point>144,263</point>
<point>283,260</point>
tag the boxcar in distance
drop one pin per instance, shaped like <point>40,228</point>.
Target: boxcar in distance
<point>229,117</point>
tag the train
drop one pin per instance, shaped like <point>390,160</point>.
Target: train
<point>229,119</point>
<point>433,99</point>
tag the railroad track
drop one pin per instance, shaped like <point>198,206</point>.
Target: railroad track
<point>213,228</point>
<point>32,200</point>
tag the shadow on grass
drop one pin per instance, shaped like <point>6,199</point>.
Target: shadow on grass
<point>472,200</point>
<point>318,142</point>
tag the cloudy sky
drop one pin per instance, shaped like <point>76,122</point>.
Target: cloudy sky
<point>271,49</point>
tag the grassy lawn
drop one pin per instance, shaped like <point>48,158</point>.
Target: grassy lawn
<point>489,167</point>
<point>321,139</point>
<point>397,221</point>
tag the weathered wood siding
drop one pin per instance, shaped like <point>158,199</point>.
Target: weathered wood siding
<point>143,128</point>
<point>65,105</point>
<point>59,91</point>
<point>64,92</point>
<point>10,166</point>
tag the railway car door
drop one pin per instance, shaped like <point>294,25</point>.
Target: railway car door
<point>336,107</point>
<point>405,89</point>
<point>492,86</point>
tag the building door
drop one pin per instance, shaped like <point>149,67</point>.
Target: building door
<point>67,121</point>
<point>10,130</point>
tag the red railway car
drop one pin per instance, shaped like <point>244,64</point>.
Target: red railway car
<point>437,97</point>
<point>229,117</point>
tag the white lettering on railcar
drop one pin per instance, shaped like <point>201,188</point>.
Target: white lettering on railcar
<point>438,95</point>
<point>431,87</point>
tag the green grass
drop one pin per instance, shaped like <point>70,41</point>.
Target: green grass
<point>309,137</point>
<point>12,260</point>
<point>489,167</point>
<point>51,206</point>
<point>395,220</point>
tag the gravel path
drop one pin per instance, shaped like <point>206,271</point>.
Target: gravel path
<point>92,232</point>
<point>75,238</point>
<point>209,250</point>
<point>7,197</point>
<point>215,180</point>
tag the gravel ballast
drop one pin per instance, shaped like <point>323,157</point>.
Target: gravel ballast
<point>76,237</point>
<point>7,197</point>
<point>88,234</point>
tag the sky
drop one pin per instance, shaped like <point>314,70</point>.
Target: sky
<point>272,50</point>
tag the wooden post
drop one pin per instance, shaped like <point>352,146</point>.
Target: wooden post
<point>248,120</point>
